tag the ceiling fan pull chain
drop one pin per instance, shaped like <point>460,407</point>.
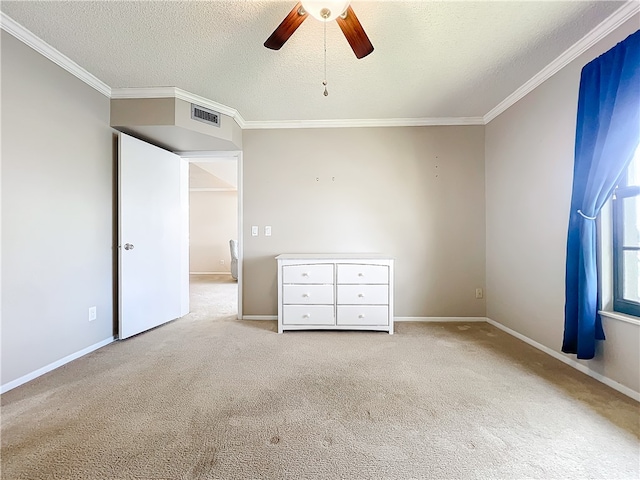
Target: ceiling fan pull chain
<point>326,92</point>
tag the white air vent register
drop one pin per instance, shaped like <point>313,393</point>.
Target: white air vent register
<point>205,115</point>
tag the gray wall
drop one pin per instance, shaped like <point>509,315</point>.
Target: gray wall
<point>529,171</point>
<point>213,221</point>
<point>57,214</point>
<point>414,193</point>
<point>417,194</point>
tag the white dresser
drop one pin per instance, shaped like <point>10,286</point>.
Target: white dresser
<point>335,292</point>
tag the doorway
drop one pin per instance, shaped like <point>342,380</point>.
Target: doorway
<point>215,219</point>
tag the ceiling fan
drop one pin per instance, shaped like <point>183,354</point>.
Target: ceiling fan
<point>325,11</point>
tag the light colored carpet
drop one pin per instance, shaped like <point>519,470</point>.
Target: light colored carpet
<point>208,396</point>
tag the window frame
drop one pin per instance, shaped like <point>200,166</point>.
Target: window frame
<point>621,304</point>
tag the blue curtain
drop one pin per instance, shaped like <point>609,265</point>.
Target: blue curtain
<point>607,134</point>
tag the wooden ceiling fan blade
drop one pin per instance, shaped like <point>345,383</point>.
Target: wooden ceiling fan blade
<point>356,36</point>
<point>289,25</point>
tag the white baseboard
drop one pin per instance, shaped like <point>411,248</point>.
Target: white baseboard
<point>52,366</point>
<point>559,356</point>
<point>396,319</point>
<point>209,273</point>
<point>569,361</point>
<point>259,317</point>
<point>439,319</point>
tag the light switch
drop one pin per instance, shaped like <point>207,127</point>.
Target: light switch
<point>267,231</point>
<point>254,230</point>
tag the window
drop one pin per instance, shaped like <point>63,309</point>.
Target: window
<point>626,241</point>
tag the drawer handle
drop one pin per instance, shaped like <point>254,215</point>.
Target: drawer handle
<point>306,315</point>
<point>305,274</point>
<point>361,315</point>
<point>361,274</point>
<point>306,295</point>
<point>361,295</point>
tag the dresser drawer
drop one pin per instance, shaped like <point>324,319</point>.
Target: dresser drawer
<point>363,294</point>
<point>363,315</point>
<point>351,273</point>
<point>321,291</point>
<point>307,294</point>
<point>308,315</point>
<point>307,273</point>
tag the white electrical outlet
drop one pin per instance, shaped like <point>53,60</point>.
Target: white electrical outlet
<point>93,313</point>
<point>479,293</point>
<point>221,262</point>
<point>267,231</point>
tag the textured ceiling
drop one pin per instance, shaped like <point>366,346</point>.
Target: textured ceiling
<point>431,59</point>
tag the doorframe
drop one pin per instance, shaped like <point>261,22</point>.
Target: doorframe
<point>213,156</point>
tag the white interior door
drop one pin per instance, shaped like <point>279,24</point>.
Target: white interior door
<point>153,236</point>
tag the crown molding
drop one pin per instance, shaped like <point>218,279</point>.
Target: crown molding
<point>205,102</point>
<point>624,13</point>
<point>12,27</point>
<point>171,92</point>
<point>143,92</point>
<point>612,22</point>
<point>365,122</point>
<point>174,92</point>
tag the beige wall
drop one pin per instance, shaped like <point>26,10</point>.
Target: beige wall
<point>414,193</point>
<point>417,194</point>
<point>529,170</point>
<point>213,221</point>
<point>167,123</point>
<point>57,214</point>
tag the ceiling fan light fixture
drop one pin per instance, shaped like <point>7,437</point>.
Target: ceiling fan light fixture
<point>325,10</point>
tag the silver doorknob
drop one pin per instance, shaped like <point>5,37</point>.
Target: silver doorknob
<point>128,246</point>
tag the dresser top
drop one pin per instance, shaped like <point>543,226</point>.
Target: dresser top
<point>333,256</point>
